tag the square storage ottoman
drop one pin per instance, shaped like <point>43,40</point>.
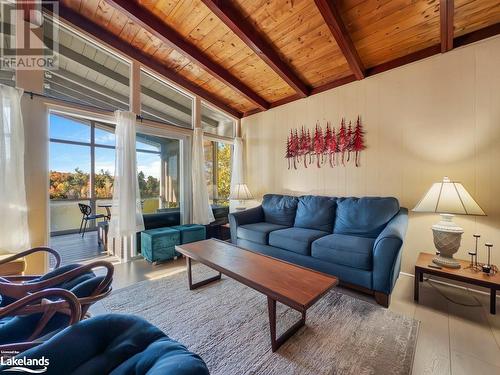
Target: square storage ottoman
<point>191,232</point>
<point>158,245</point>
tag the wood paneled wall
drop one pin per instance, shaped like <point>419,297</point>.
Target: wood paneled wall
<point>433,118</point>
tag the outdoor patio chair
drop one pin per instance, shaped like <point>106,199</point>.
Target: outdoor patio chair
<point>114,344</point>
<point>86,211</point>
<point>35,316</point>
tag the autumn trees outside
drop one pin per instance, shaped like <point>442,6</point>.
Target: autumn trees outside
<point>76,185</point>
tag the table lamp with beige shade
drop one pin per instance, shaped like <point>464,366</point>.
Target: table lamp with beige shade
<point>448,199</point>
<point>240,193</point>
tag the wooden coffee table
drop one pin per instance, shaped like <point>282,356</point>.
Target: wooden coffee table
<point>292,285</point>
<point>463,274</point>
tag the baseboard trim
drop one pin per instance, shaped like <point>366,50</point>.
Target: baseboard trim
<point>450,284</point>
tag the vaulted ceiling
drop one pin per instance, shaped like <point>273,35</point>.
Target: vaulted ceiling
<point>250,55</point>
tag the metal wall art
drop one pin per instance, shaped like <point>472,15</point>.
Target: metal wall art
<point>325,146</point>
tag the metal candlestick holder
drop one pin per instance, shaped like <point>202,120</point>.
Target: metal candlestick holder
<point>475,266</point>
<point>473,256</point>
<point>489,268</point>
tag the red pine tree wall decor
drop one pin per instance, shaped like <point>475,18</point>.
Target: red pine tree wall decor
<point>318,142</point>
<point>358,143</point>
<point>325,145</point>
<point>342,141</point>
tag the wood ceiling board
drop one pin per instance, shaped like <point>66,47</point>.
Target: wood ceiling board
<point>291,25</point>
<point>160,28</point>
<point>227,49</point>
<point>103,13</point>
<point>380,41</point>
<point>335,23</point>
<point>231,16</point>
<point>400,46</point>
<point>116,42</point>
<point>472,15</point>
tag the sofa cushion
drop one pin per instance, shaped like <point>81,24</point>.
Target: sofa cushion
<point>279,209</point>
<point>257,232</point>
<point>365,217</point>
<point>297,240</point>
<point>315,212</point>
<point>351,251</point>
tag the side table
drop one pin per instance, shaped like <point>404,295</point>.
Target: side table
<point>462,274</point>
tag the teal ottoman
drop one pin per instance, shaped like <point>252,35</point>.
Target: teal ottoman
<point>158,245</point>
<point>191,232</point>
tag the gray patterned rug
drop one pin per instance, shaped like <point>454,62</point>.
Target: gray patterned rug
<point>226,323</point>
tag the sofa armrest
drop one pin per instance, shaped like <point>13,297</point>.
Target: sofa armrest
<point>387,253</point>
<point>250,216</point>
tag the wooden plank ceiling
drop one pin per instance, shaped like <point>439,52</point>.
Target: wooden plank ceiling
<point>250,55</point>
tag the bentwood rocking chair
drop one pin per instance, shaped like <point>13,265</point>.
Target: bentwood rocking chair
<point>80,279</point>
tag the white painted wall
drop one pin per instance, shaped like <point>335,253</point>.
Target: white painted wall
<point>433,118</point>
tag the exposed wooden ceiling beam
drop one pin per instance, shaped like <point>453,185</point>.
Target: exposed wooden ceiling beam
<point>446,12</point>
<point>155,25</point>
<point>460,41</point>
<point>227,13</point>
<point>336,25</point>
<point>128,50</point>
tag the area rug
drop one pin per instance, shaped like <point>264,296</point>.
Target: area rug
<point>226,323</point>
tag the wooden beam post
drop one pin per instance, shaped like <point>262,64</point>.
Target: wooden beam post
<point>446,12</point>
<point>336,25</point>
<point>227,13</point>
<point>125,48</point>
<point>155,26</point>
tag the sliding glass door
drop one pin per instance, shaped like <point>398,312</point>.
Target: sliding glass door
<point>82,167</point>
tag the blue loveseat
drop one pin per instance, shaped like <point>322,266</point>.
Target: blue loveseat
<point>359,240</point>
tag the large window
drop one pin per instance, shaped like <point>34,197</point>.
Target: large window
<point>82,163</point>
<point>87,74</point>
<point>162,102</point>
<point>218,171</point>
<point>82,167</point>
<point>158,166</point>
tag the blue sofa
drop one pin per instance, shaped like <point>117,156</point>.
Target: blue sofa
<point>359,240</point>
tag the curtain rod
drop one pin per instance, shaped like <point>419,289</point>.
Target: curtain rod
<point>33,94</point>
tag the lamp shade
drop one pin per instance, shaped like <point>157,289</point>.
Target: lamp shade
<point>240,192</point>
<point>448,197</point>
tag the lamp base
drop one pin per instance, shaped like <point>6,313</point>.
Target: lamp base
<point>446,262</point>
<point>447,238</point>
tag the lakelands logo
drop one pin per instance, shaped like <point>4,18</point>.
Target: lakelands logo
<point>27,40</point>
<point>26,365</point>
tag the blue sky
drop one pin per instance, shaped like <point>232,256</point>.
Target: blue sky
<point>65,158</point>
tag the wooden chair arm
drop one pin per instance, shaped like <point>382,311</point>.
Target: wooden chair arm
<point>19,290</point>
<point>22,254</point>
<point>66,304</point>
<point>24,306</point>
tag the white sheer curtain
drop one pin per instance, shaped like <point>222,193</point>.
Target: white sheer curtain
<point>126,212</point>
<point>13,208</point>
<point>202,212</point>
<point>237,167</point>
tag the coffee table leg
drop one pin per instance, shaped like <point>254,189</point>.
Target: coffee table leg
<point>200,283</point>
<point>277,342</point>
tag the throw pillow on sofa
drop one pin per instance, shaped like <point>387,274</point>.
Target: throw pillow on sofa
<point>364,217</point>
<point>279,209</point>
<point>316,212</point>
